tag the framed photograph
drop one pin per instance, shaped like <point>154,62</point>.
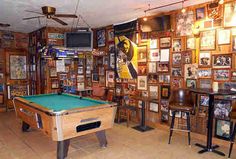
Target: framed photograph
<point>229,11</point>
<point>110,35</point>
<point>176,72</point>
<point>110,79</point>
<point>204,59</point>
<point>142,82</point>
<point>234,43</point>
<point>204,100</point>
<point>154,55</point>
<point>204,73</point>
<point>80,78</point>
<point>142,68</point>
<point>233,75</point>
<point>176,59</point>
<point>222,109</point>
<point>191,43</point>
<point>223,129</point>
<point>223,36</point>
<point>165,92</point>
<point>165,79</point>
<point>177,45</point>
<point>205,83</point>
<point>154,43</point>
<point>53,72</point>
<point>190,71</point>
<point>177,83</point>
<point>142,53</point>
<point>163,67</point>
<point>18,68</point>
<point>208,40</point>
<point>101,38</point>
<point>187,57</point>
<point>80,70</point>
<point>153,107</point>
<point>102,81</point>
<point>165,42</point>
<point>164,116</point>
<point>184,23</point>
<point>101,70</point>
<point>112,60</point>
<point>191,83</point>
<point>152,67</point>
<point>54,83</point>
<point>95,77</point>
<point>221,75</point>
<point>200,13</point>
<point>164,55</point>
<point>221,61</point>
<point>153,92</point>
<point>152,78</point>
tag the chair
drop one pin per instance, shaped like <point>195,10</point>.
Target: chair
<point>233,118</point>
<point>127,108</point>
<point>181,101</point>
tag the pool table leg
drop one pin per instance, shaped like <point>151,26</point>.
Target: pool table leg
<point>25,127</point>
<point>102,138</point>
<point>62,148</point>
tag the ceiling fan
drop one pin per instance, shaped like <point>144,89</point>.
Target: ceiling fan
<point>50,13</point>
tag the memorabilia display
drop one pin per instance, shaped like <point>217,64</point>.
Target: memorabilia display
<point>18,69</point>
<point>208,40</point>
<point>110,35</point>
<point>152,67</point>
<point>205,83</point>
<point>234,43</point>
<point>154,43</point>
<point>152,78</point>
<point>221,61</point>
<point>164,79</point>
<point>163,67</point>
<point>233,75</point>
<point>187,57</point>
<point>142,68</point>
<point>177,83</point>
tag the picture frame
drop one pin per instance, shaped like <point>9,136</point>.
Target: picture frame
<point>165,92</point>
<point>112,60</point>
<point>152,78</point>
<point>221,75</point>
<point>154,43</point>
<point>53,72</point>
<point>164,79</point>
<point>80,70</point>
<point>204,73</point>
<point>233,75</point>
<point>187,57</point>
<point>229,11</point>
<point>162,67</point>
<point>204,59</point>
<point>190,71</point>
<point>153,107</point>
<point>95,77</point>
<point>142,68</point>
<point>176,72</point>
<point>221,61</point>
<point>177,83</point>
<point>184,23</point>
<point>142,82</point>
<point>176,59</point>
<point>142,53</point>
<point>18,68</point>
<point>176,45</point>
<point>204,100</point>
<point>54,83</point>
<point>208,40</point>
<point>153,92</point>
<point>222,108</point>
<point>224,36</point>
<point>205,83</point>
<point>223,129</point>
<point>165,42</point>
<point>154,55</point>
<point>200,13</point>
<point>191,83</point>
<point>164,55</point>
<point>110,79</point>
<point>191,43</point>
<point>110,35</point>
<point>102,81</point>
<point>152,67</point>
<point>101,38</point>
<point>233,43</point>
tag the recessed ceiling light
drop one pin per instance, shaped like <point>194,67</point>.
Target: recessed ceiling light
<point>4,25</point>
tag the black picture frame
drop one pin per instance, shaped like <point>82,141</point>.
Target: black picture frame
<point>101,38</point>
<point>223,129</point>
<point>165,92</point>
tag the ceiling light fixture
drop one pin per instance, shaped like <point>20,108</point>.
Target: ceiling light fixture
<point>145,17</point>
<point>183,10</point>
<point>221,2</point>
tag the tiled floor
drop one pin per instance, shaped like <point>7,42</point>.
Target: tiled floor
<point>123,143</point>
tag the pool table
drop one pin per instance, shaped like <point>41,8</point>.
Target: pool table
<point>64,116</point>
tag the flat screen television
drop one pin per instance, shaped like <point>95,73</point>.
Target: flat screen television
<point>81,40</point>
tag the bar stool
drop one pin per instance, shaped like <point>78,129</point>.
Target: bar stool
<point>232,136</point>
<point>181,100</point>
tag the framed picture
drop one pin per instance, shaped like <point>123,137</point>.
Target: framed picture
<point>153,107</point>
<point>177,83</point>
<point>223,36</point>
<point>204,73</point>
<point>165,92</point>
<point>54,83</point>
<point>204,100</point>
<point>222,109</point>
<point>164,105</point>
<point>142,53</point>
<point>191,83</point>
<point>110,35</point>
<point>233,75</point>
<point>110,78</point>
<point>223,129</point>
<point>163,67</point>
<point>221,61</point>
<point>190,71</point>
<point>177,45</point>
<point>142,82</point>
<point>152,78</point>
<point>18,69</point>
<point>53,72</point>
<point>221,75</point>
<point>208,40</point>
<point>164,55</point>
<point>200,13</point>
<point>142,68</point>
<point>165,79</point>
<point>153,92</point>
<point>95,77</point>
<point>204,59</point>
<point>165,42</point>
<point>234,43</point>
<point>187,57</point>
<point>164,116</point>
<point>101,71</point>
<point>176,72</point>
<point>229,11</point>
<point>152,67</point>
<point>191,43</point>
<point>101,38</point>
<point>102,81</point>
<point>184,23</point>
<point>154,43</point>
<point>80,70</point>
<point>112,60</point>
<point>205,83</point>
<point>80,78</point>
<point>154,55</point>
<point>176,59</point>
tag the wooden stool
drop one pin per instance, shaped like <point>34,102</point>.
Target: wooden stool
<point>232,136</point>
<point>181,100</point>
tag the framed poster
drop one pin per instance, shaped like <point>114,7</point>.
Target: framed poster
<point>177,45</point>
<point>153,107</point>
<point>222,109</point>
<point>229,12</point>
<point>101,38</point>
<point>165,79</point>
<point>152,67</point>
<point>112,60</point>
<point>165,42</point>
<point>177,83</point>
<point>18,68</point>
<point>54,83</point>
<point>204,59</point>
<point>223,129</point>
<point>221,75</point>
<point>142,68</point>
<point>208,40</point>
<point>184,23</point>
<point>221,61</point>
<point>223,36</point>
<point>142,82</point>
<point>200,13</point>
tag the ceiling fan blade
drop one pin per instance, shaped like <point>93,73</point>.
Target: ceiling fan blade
<point>66,15</point>
<point>33,17</point>
<point>59,21</point>
<point>34,12</point>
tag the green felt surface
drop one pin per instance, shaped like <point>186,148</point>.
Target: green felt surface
<point>57,102</point>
